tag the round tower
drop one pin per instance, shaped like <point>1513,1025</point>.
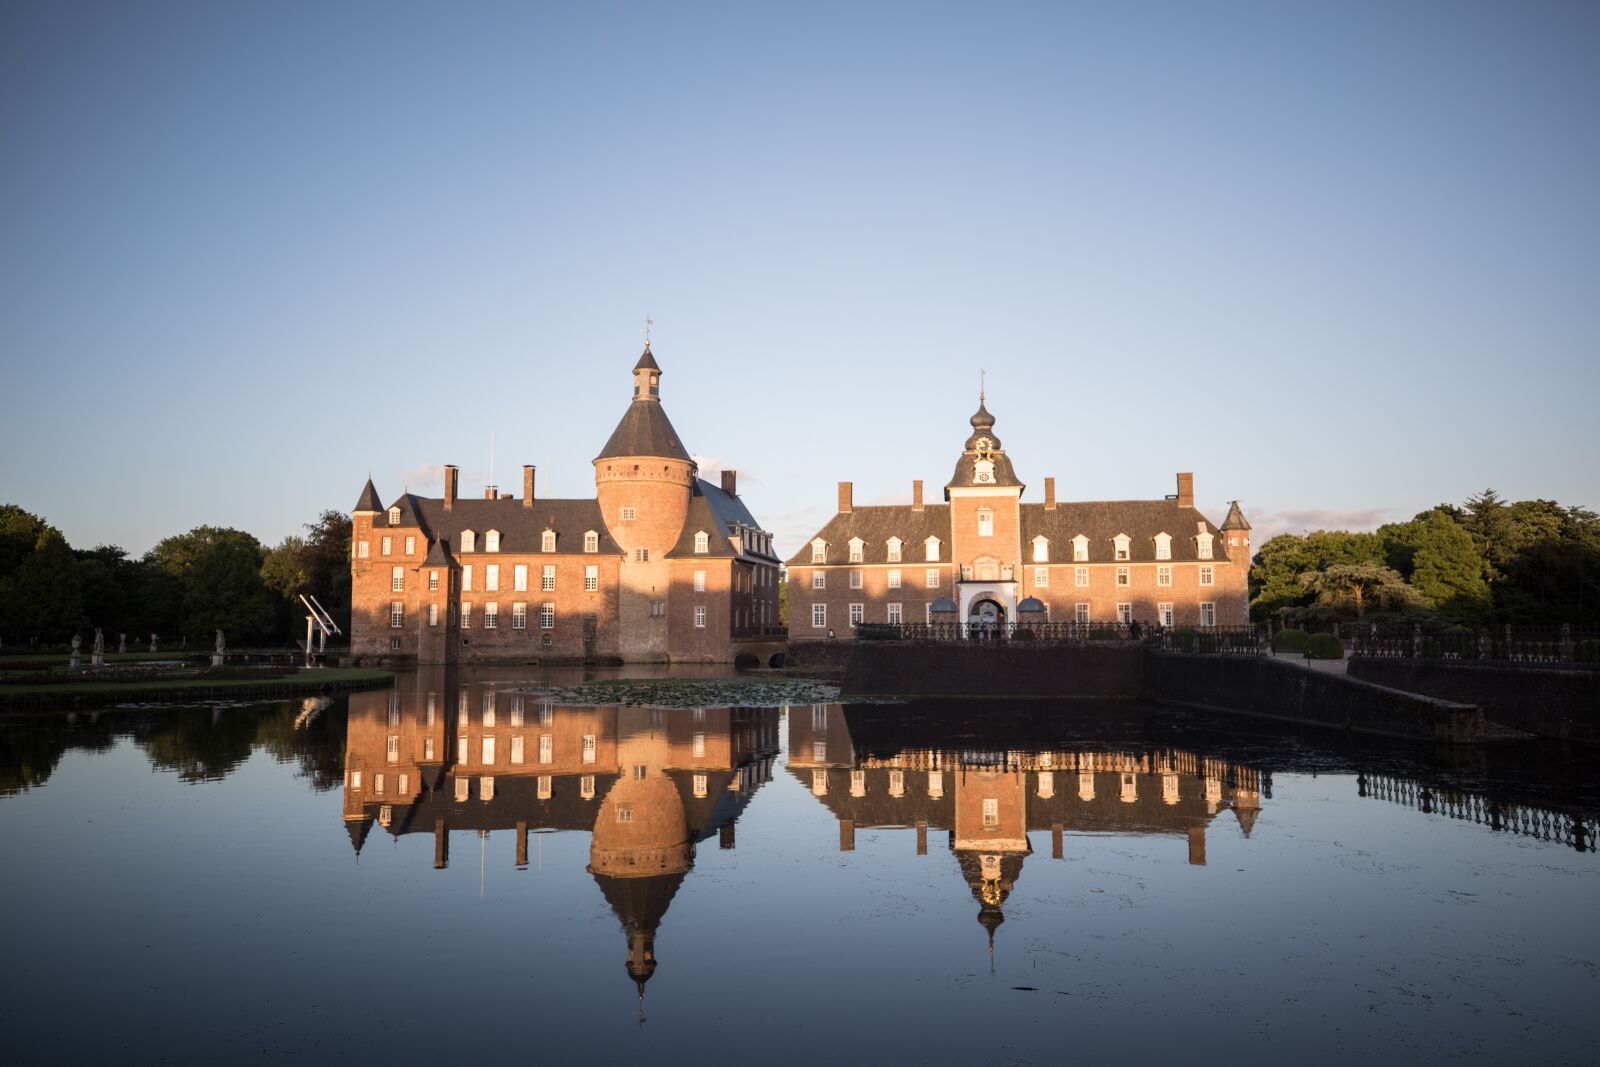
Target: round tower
<point>643,480</point>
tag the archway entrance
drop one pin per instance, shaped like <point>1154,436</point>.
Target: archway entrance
<point>986,617</point>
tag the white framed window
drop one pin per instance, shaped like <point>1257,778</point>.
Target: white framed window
<point>1122,576</point>
<point>1163,575</point>
<point>930,549</point>
<point>466,616</point>
<point>629,514</point>
<point>1080,613</point>
<point>469,541</point>
<point>391,751</point>
<point>698,746</point>
<point>591,541</point>
<point>397,614</point>
<point>519,578</point>
<point>518,749</point>
<point>1202,544</point>
<point>991,812</point>
<point>1041,577</point>
<point>547,616</point>
<point>586,787</point>
<point>1080,549</point>
<point>427,748</point>
<point>1080,577</point>
<point>547,578</point>
<point>1208,575</point>
<point>397,580</point>
<point>411,545</point>
<point>547,541</point>
<point>985,522</point>
<point>1208,614</point>
<point>855,579</point>
<point>433,615</point>
<point>547,749</point>
<point>702,542</point>
<point>361,550</point>
<point>819,579</point>
<point>819,616</point>
<point>491,578</point>
<point>700,785</point>
<point>819,551</point>
<point>1164,613</point>
<point>386,544</point>
<point>519,616</point>
<point>1163,546</point>
<point>1041,549</point>
<point>700,617</point>
<point>491,541</point>
<point>856,544</point>
<point>894,614</point>
<point>491,616</point>
<point>466,578</point>
<point>1124,613</point>
<point>699,581</point>
<point>894,549</point>
<point>591,578</point>
<point>931,578</point>
<point>433,581</point>
<point>394,516</point>
<point>858,614</point>
<point>488,751</point>
<point>588,748</point>
<point>641,555</point>
<point>894,578</point>
<point>1120,546</point>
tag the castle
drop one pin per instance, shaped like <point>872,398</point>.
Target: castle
<point>985,559</point>
<point>661,564</point>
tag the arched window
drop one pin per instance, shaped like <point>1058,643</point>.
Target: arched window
<point>491,541</point>
<point>1041,549</point>
<point>894,549</point>
<point>1163,546</point>
<point>394,516</point>
<point>1122,544</point>
<point>702,541</point>
<point>547,542</point>
<point>591,541</point>
<point>819,551</point>
<point>931,547</point>
<point>855,549</point>
<point>469,541</point>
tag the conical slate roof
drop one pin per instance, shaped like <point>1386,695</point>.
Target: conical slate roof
<point>644,430</point>
<point>369,499</point>
<point>646,361</point>
<point>1235,519</point>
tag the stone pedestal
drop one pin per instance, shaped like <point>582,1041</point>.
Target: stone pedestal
<point>216,659</point>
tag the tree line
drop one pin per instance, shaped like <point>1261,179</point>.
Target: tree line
<point>1487,561</point>
<point>186,587</point>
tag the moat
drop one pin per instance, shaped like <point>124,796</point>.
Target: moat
<point>456,867</point>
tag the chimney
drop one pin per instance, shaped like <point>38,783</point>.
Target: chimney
<point>1185,490</point>
<point>527,485</point>
<point>916,495</point>
<point>844,497</point>
<point>730,482</point>
<point>1049,494</point>
<point>490,492</point>
<point>450,474</point>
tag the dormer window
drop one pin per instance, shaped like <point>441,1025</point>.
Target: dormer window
<point>931,548</point>
<point>894,549</point>
<point>1080,549</point>
<point>394,516</point>
<point>1041,549</point>
<point>819,551</point>
<point>702,541</point>
<point>591,541</point>
<point>1163,546</point>
<point>491,541</point>
<point>985,522</point>
<point>1122,544</point>
<point>547,541</point>
<point>1202,544</point>
<point>855,549</point>
<point>469,541</point>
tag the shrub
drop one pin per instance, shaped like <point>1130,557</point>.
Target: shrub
<point>1102,633</point>
<point>1022,634</point>
<point>1290,641</point>
<point>1181,640</point>
<point>1324,646</point>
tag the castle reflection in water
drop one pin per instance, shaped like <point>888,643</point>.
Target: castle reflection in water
<point>649,785</point>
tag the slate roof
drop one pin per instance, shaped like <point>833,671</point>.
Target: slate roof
<point>1235,519</point>
<point>644,430</point>
<point>1102,520</point>
<point>646,361</point>
<point>369,499</point>
<point>982,427</point>
<point>717,513</point>
<point>875,525</point>
<point>521,529</point>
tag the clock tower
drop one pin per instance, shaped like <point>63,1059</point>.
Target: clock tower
<point>985,525</point>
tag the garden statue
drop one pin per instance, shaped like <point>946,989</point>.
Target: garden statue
<point>152,642</point>
<point>77,653</point>
<point>99,657</point>
<point>122,643</point>
<point>221,647</point>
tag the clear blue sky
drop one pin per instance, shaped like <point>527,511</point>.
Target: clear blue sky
<point>1341,260</point>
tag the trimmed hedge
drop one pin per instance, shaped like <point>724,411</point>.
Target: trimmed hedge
<point>1290,641</point>
<point>1324,646</point>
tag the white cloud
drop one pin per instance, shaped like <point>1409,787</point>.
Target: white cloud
<point>1303,520</point>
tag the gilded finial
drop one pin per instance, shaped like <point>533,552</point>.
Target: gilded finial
<point>648,322</point>
<point>981,375</point>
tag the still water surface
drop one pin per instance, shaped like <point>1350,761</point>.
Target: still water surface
<point>454,870</point>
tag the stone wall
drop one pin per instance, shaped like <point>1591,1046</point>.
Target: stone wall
<point>1266,688</point>
<point>1013,669</point>
<point>1548,701</point>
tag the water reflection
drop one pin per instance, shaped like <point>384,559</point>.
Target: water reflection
<point>439,754</point>
<point>987,786</point>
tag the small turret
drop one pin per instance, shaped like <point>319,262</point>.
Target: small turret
<point>647,377</point>
<point>369,499</point>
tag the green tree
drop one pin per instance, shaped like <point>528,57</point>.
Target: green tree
<point>1437,556</point>
<point>42,598</point>
<point>219,574</point>
<point>1362,587</point>
<point>1275,582</point>
<point>327,563</point>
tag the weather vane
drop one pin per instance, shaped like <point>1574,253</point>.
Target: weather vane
<point>648,322</point>
<point>981,375</point>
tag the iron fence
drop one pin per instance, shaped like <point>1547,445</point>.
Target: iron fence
<point>1509,644</point>
<point>1225,640</point>
<point>1521,819</point>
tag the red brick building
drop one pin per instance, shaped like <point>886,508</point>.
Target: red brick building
<point>660,565</point>
<point>984,556</point>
